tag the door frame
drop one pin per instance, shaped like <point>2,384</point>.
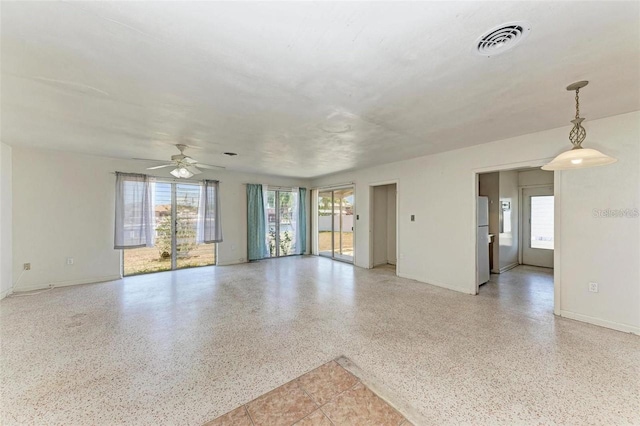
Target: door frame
<point>372,186</point>
<point>315,192</point>
<point>278,190</point>
<point>557,217</point>
<point>174,228</point>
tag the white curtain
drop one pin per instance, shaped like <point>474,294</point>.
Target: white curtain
<point>134,225</point>
<point>295,221</point>
<point>209,228</point>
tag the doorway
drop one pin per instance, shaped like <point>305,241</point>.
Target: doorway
<point>384,230</point>
<point>281,221</point>
<point>175,218</point>
<point>335,232</point>
<point>518,236</point>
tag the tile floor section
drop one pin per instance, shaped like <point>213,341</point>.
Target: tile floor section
<point>328,395</point>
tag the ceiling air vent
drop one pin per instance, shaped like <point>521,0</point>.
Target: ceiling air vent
<point>502,38</point>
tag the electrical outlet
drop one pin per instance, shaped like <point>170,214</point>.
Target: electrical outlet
<point>69,260</point>
<point>27,266</point>
<point>413,218</point>
<point>593,287</point>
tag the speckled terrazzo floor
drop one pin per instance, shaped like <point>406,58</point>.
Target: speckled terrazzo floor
<point>185,347</point>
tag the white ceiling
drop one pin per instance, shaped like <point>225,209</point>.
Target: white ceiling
<point>304,89</point>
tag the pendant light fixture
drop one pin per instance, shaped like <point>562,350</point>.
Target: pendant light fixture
<point>578,157</point>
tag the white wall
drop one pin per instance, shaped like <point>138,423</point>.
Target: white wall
<point>439,247</point>
<point>6,276</point>
<point>535,177</point>
<point>63,206</point>
<point>508,240</point>
<point>489,186</point>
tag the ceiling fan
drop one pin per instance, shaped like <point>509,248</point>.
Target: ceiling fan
<point>185,166</point>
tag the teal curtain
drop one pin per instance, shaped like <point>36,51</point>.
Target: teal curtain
<point>256,227</point>
<point>302,220</point>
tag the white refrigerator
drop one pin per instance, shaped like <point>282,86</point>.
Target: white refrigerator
<point>482,271</point>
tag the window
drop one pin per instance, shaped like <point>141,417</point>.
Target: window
<point>542,222</point>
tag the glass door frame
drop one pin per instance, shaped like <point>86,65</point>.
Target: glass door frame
<point>315,222</point>
<point>277,220</point>
<point>174,231</point>
<point>174,226</point>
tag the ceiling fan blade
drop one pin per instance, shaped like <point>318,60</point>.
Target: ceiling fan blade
<point>161,166</point>
<point>149,159</point>
<point>189,160</point>
<point>193,169</point>
<point>208,166</point>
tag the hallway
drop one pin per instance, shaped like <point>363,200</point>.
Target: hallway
<point>527,289</point>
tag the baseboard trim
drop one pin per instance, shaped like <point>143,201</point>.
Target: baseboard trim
<point>94,280</point>
<point>508,267</point>
<point>434,283</point>
<point>233,262</point>
<point>600,322</point>
<point>6,293</point>
<point>382,391</point>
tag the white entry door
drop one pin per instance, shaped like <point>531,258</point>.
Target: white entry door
<point>537,227</point>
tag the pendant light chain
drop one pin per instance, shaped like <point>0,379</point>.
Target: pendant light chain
<point>578,157</point>
<point>578,133</point>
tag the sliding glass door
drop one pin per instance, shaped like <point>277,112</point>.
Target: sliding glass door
<point>281,222</point>
<point>336,224</point>
<point>188,253</point>
<point>175,213</point>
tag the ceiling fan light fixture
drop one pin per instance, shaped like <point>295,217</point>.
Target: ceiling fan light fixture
<point>181,172</point>
<point>578,157</point>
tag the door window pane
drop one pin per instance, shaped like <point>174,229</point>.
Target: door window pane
<point>542,222</point>
<point>335,224</point>
<point>287,232</point>
<point>343,213</point>
<point>281,233</point>
<point>158,258</point>
<point>188,252</point>
<point>272,241</point>
<point>325,214</point>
